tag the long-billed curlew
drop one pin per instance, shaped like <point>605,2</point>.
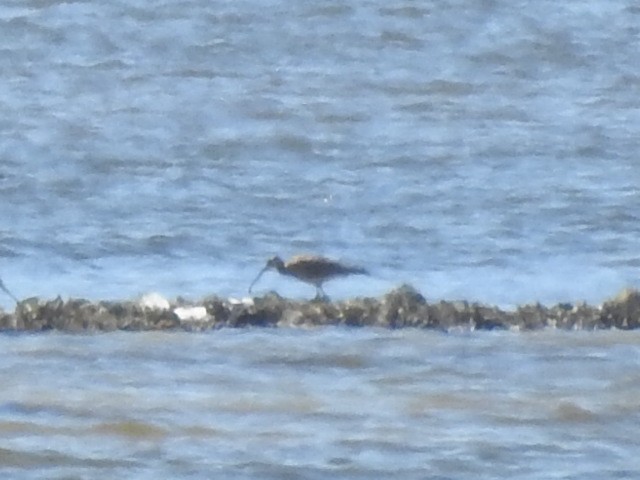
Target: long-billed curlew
<point>6,290</point>
<point>311,269</point>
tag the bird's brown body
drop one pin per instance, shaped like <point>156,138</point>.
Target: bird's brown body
<point>312,269</point>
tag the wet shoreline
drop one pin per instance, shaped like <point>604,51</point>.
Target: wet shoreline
<point>399,308</point>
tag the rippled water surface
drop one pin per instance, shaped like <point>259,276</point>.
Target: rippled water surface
<point>479,150</point>
<point>327,403</point>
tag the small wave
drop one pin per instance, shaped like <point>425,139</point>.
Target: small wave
<point>131,429</point>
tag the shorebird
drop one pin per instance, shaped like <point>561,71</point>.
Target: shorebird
<point>6,290</point>
<point>312,269</point>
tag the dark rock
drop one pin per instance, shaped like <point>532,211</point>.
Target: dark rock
<point>623,311</point>
<point>532,317</point>
<point>402,307</point>
<point>489,318</point>
<point>81,315</point>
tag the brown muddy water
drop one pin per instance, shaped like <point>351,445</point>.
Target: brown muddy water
<point>320,403</point>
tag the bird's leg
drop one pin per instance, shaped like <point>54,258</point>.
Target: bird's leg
<point>320,295</point>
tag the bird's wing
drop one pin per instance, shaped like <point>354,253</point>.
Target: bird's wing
<point>319,267</point>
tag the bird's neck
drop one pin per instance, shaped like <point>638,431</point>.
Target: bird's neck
<point>282,270</point>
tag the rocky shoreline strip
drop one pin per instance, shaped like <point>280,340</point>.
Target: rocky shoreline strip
<point>400,308</point>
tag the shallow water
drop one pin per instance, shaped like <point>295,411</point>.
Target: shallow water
<point>317,403</point>
<point>485,151</point>
<point>481,151</point>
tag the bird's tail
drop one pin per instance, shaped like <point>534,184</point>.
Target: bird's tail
<point>356,270</point>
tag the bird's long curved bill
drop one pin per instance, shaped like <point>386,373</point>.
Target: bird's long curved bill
<point>6,290</point>
<point>257,278</point>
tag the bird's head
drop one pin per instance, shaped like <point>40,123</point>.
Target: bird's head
<point>274,263</point>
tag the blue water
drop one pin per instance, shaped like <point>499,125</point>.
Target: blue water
<point>325,403</point>
<point>477,150</point>
<point>480,151</point>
